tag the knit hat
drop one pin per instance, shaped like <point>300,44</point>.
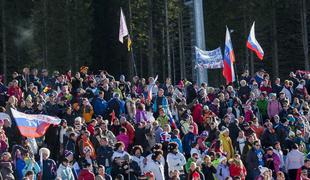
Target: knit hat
<point>67,153</point>
<point>204,134</point>
<point>291,134</point>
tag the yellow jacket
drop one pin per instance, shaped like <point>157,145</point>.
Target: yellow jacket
<point>227,146</point>
<point>87,112</point>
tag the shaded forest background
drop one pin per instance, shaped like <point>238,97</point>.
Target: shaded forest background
<point>66,34</point>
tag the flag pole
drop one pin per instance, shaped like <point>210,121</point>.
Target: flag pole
<point>236,74</point>
<point>132,57</point>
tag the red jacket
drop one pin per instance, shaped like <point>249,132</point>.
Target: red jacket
<point>197,114</point>
<point>15,91</point>
<point>85,174</point>
<point>237,171</point>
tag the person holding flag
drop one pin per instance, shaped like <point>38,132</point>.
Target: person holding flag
<point>229,60</point>
<point>253,44</point>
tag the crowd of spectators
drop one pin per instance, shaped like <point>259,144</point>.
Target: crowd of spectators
<point>256,129</point>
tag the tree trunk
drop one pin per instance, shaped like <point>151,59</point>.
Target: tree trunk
<point>173,60</point>
<point>4,52</point>
<point>181,44</point>
<point>167,39</point>
<point>45,51</point>
<point>163,54</point>
<point>69,48</point>
<point>304,31</point>
<point>150,51</point>
<point>132,63</point>
<point>275,60</point>
<point>75,36</point>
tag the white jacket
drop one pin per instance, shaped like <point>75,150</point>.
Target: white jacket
<point>140,162</point>
<point>175,161</point>
<point>157,168</point>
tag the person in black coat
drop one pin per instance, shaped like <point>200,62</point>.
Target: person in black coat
<point>104,153</point>
<point>207,168</point>
<point>190,93</point>
<point>140,135</point>
<point>234,130</point>
<point>126,167</point>
<point>255,158</point>
<point>269,136</point>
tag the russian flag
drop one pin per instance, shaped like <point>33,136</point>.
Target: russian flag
<point>229,59</point>
<point>253,44</point>
<point>171,120</point>
<point>150,91</point>
<point>33,125</point>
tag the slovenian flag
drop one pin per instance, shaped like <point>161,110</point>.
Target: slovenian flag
<point>253,44</point>
<point>33,125</point>
<point>229,59</point>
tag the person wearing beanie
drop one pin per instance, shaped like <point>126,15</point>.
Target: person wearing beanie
<point>73,164</point>
<point>155,165</point>
<point>175,159</point>
<point>64,171</point>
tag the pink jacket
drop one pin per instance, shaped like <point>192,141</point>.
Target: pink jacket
<point>124,138</point>
<point>273,108</point>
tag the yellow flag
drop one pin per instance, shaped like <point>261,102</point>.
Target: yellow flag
<point>129,42</point>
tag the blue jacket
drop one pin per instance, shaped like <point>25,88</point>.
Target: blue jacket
<point>100,106</point>
<point>20,164</point>
<point>49,169</point>
<point>164,104</point>
<point>178,141</point>
<point>188,140</point>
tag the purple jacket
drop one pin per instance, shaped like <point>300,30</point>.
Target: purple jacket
<point>140,116</point>
<point>276,161</point>
<point>273,108</point>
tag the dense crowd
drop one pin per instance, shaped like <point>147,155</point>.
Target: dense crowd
<point>142,129</point>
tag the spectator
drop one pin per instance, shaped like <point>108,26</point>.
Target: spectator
<point>294,161</point>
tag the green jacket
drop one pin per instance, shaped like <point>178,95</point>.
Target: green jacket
<point>188,164</point>
<point>162,120</point>
<point>262,106</point>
